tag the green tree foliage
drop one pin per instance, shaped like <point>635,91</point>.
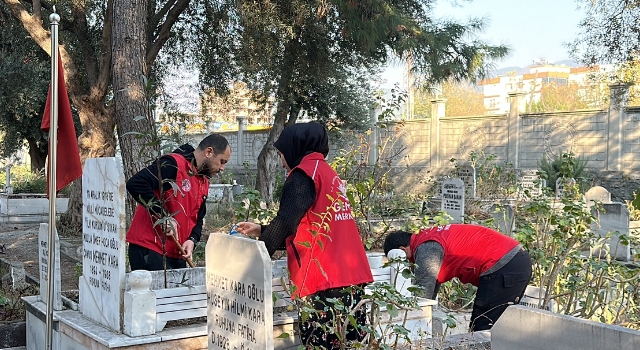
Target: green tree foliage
<point>559,97</point>
<point>86,35</point>
<point>316,58</point>
<point>462,99</point>
<point>609,32</point>
<point>24,80</point>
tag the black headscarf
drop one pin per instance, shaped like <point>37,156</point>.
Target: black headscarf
<point>298,140</point>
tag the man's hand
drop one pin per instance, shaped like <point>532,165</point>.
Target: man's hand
<point>170,227</point>
<point>188,247</point>
<point>249,228</point>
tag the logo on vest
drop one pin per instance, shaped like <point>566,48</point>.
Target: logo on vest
<point>342,207</point>
<point>186,185</point>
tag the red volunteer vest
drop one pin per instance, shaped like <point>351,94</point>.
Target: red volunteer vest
<point>469,250</point>
<point>186,202</point>
<point>326,251</point>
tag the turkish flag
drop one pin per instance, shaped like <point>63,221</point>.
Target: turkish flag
<point>68,166</point>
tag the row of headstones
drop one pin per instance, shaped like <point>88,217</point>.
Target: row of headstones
<point>527,179</point>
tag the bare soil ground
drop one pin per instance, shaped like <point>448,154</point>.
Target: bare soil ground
<point>21,244</point>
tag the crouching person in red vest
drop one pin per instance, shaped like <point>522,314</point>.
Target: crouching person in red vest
<point>495,263</point>
<point>184,176</point>
<point>324,251</point>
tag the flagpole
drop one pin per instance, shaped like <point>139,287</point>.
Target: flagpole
<point>54,18</point>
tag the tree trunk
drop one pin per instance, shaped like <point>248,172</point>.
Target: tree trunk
<point>38,156</point>
<point>268,162</point>
<point>131,105</point>
<point>97,140</point>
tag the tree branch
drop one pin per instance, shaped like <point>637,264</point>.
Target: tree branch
<point>102,82</point>
<point>64,23</point>
<point>155,20</point>
<point>42,38</point>
<point>165,30</point>
<point>81,30</point>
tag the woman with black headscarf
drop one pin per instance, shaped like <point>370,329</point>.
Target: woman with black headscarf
<point>325,254</point>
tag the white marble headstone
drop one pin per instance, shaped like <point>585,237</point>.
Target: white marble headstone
<point>453,199</point>
<point>103,232</point>
<point>528,179</point>
<point>239,288</point>
<point>597,193</point>
<point>43,255</point>
<point>613,219</point>
<point>467,174</point>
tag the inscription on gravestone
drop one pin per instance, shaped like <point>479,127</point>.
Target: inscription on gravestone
<point>438,185</point>
<point>103,233</point>
<point>528,179</point>
<point>467,173</point>
<point>563,183</point>
<point>43,254</point>
<point>239,294</point>
<point>453,199</point>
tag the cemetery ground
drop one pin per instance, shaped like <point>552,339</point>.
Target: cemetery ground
<point>21,245</point>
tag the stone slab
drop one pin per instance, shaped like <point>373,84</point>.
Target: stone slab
<point>43,255</point>
<point>525,328</point>
<point>613,217</point>
<point>239,293</point>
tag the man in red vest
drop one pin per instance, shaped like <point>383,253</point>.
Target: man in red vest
<point>495,263</point>
<point>325,254</point>
<point>184,175</point>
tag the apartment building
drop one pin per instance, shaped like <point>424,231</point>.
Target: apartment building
<point>496,90</point>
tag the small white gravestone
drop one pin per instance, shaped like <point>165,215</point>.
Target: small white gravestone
<point>43,255</point>
<point>239,293</point>
<point>614,219</point>
<point>453,199</point>
<point>597,193</point>
<point>103,233</point>
<point>528,179</point>
<point>562,183</point>
<point>534,297</point>
<point>401,284</point>
<point>467,173</point>
<point>503,218</point>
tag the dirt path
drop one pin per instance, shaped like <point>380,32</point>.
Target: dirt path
<point>21,244</point>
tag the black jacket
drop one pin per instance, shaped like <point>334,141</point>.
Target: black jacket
<point>143,183</point>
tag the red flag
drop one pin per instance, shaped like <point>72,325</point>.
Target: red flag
<point>68,167</point>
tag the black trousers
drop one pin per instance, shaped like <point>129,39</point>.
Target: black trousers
<point>500,289</point>
<point>141,258</point>
<point>315,330</point>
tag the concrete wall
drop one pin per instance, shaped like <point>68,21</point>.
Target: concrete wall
<point>608,138</point>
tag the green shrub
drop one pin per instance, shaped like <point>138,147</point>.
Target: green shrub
<point>31,183</point>
<point>566,165</point>
<point>25,181</point>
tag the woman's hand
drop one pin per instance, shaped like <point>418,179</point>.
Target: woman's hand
<point>249,228</point>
